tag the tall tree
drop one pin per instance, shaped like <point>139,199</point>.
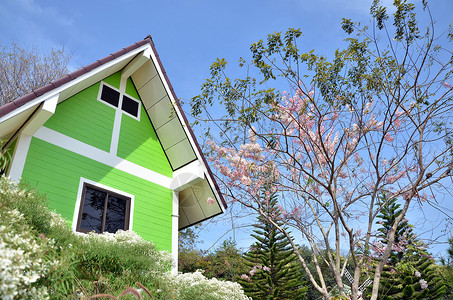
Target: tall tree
<point>190,259</point>
<point>403,233</point>
<point>226,262</point>
<point>376,119</point>
<point>25,69</point>
<point>410,272</point>
<point>447,271</point>
<point>275,272</point>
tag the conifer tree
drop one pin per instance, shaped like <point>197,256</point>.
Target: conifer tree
<point>275,272</point>
<point>410,271</point>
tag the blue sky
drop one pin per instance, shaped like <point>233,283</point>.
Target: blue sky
<point>189,35</point>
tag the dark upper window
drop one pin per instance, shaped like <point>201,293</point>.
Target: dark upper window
<point>103,211</point>
<point>113,96</point>
<point>110,95</point>
<point>130,106</point>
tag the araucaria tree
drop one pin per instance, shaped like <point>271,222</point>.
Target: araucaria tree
<point>410,272</point>
<point>376,119</point>
<point>275,272</point>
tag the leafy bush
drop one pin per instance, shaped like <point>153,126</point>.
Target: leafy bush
<point>31,205</point>
<point>124,256</point>
<point>40,257</point>
<point>195,286</point>
<point>22,259</point>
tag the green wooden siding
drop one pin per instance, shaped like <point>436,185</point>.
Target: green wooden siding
<point>84,118</point>
<point>56,172</point>
<point>130,89</point>
<point>138,142</point>
<point>9,155</point>
<point>114,80</point>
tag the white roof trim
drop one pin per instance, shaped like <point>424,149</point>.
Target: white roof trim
<point>73,82</point>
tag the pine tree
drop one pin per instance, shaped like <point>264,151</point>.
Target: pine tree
<point>410,271</point>
<point>275,272</point>
<point>446,271</point>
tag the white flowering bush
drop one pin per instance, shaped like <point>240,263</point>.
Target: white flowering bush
<point>196,286</point>
<point>22,262</point>
<point>122,251</point>
<point>41,258</point>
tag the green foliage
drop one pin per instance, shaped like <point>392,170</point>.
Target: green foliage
<point>329,280</point>
<point>21,252</point>
<point>187,238</point>
<point>388,214</point>
<point>196,286</point>
<point>32,206</point>
<point>410,272</point>
<point>49,260</point>
<point>227,262</point>
<point>122,258</point>
<point>276,273</point>
<point>35,223</point>
<point>446,271</point>
<point>192,260</point>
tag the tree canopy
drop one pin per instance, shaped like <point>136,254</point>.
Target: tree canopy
<point>24,69</point>
<point>373,120</point>
<point>274,271</point>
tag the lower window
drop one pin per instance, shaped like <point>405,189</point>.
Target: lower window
<point>103,211</point>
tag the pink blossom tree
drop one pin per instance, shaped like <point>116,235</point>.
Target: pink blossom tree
<point>375,120</point>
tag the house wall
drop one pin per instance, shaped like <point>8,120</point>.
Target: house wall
<point>9,155</point>
<point>57,171</point>
<point>138,143</point>
<point>85,119</point>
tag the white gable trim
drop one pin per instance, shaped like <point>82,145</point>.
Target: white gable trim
<point>42,115</point>
<point>136,63</point>
<point>73,145</point>
<point>118,114</point>
<point>186,130</point>
<point>174,233</point>
<point>23,142</point>
<point>187,176</point>
<point>19,157</point>
<point>73,82</point>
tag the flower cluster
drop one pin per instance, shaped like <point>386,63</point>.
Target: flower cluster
<point>423,284</point>
<point>21,263</point>
<point>196,286</point>
<point>245,168</point>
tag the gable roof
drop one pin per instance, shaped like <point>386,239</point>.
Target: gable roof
<point>141,62</point>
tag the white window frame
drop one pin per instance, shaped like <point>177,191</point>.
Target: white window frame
<point>82,183</point>
<point>120,103</point>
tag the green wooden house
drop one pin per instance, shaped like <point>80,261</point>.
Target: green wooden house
<point>111,148</point>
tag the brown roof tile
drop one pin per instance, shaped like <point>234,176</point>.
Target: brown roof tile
<point>119,53</point>
<point>7,108</point>
<point>92,66</point>
<point>44,89</point>
<point>63,80</point>
<point>24,99</point>
<point>77,73</point>
<point>106,59</point>
<point>130,48</point>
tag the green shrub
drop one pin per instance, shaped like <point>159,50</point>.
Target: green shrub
<point>122,255</point>
<point>190,286</point>
<point>23,266</point>
<point>31,205</point>
<point>41,257</point>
